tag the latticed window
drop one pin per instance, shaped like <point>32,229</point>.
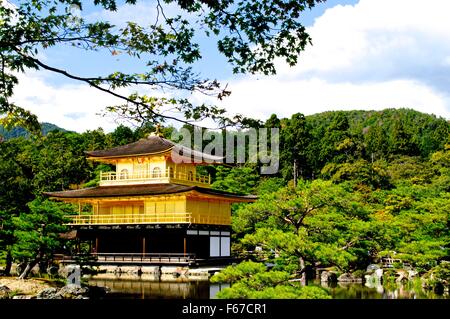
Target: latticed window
<point>124,174</point>
<point>156,173</point>
<point>190,176</point>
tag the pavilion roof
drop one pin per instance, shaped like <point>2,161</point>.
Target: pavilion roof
<point>143,190</point>
<point>153,145</point>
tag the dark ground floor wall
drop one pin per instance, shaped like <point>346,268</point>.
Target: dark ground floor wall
<point>204,242</point>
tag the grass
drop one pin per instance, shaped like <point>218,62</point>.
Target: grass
<point>15,292</point>
<point>49,279</point>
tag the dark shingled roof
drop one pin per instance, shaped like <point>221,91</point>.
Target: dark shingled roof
<point>142,190</point>
<point>154,145</point>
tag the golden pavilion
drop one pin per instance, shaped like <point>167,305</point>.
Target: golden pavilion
<point>154,205</point>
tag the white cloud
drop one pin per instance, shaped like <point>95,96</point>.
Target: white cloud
<point>372,55</point>
<point>260,98</point>
<point>75,107</point>
<point>72,107</point>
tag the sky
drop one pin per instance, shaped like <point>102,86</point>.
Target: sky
<point>366,55</point>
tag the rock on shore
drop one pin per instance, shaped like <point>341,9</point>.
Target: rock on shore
<point>72,292</point>
<point>12,288</point>
<point>347,277</point>
<point>23,287</point>
<point>4,292</point>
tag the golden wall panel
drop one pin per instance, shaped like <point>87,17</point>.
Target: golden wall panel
<point>160,209</point>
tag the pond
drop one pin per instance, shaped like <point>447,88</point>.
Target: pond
<point>177,288</point>
<point>410,290</point>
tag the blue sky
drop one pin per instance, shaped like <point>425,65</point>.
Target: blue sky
<point>70,58</point>
<point>366,54</point>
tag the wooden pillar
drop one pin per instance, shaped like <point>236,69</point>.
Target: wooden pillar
<point>143,246</point>
<point>96,245</point>
<point>184,245</point>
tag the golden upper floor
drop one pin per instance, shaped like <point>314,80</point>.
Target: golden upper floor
<point>175,209</point>
<point>162,203</point>
<point>153,160</point>
<point>153,172</point>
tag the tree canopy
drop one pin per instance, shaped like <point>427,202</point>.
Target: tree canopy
<point>370,185</point>
<point>250,34</point>
<point>38,233</point>
<point>369,196</point>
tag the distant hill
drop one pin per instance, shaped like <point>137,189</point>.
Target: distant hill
<point>400,131</point>
<point>21,132</point>
<point>337,137</point>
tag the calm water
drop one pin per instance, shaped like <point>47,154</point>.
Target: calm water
<point>411,290</point>
<point>176,288</point>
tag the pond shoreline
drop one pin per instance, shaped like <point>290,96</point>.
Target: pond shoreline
<point>126,287</point>
<point>44,288</point>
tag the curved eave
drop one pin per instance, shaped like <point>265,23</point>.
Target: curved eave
<point>93,157</point>
<point>150,145</point>
<point>182,158</point>
<point>118,191</point>
<point>145,191</point>
<point>217,193</point>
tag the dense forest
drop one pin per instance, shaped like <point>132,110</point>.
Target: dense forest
<point>372,185</point>
<point>369,185</point>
